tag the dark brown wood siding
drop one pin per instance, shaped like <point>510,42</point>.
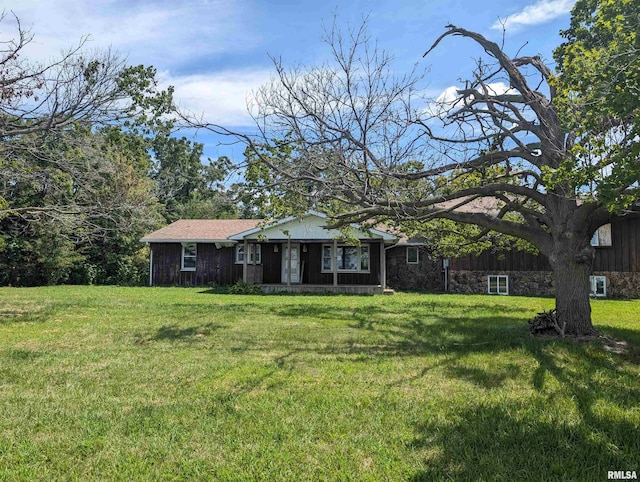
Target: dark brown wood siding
<point>623,254</point>
<point>213,266</point>
<point>272,263</point>
<point>501,261</point>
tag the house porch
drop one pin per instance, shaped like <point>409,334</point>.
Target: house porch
<point>315,265</point>
<point>340,289</point>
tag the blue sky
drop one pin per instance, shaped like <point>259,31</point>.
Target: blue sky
<point>216,52</point>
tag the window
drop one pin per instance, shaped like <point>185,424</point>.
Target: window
<point>364,258</point>
<point>498,284</point>
<point>189,252</point>
<point>348,258</point>
<point>412,255</point>
<point>598,286</point>
<point>253,249</point>
<point>602,236</point>
<point>327,264</point>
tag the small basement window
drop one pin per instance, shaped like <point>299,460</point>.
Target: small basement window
<point>413,256</point>
<point>598,286</point>
<point>189,253</point>
<point>498,284</point>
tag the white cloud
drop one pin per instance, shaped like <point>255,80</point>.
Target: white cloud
<point>449,99</point>
<point>540,12</point>
<point>180,39</point>
<point>157,33</point>
<point>220,97</point>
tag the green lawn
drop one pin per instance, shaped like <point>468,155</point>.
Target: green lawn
<point>146,383</point>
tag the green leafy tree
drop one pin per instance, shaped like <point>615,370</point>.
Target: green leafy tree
<point>187,187</point>
<point>73,245</point>
<point>42,103</point>
<point>598,94</point>
<point>75,193</point>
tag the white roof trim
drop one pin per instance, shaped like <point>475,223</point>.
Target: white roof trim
<point>240,236</point>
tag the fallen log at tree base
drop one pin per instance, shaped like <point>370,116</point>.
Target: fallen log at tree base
<point>545,323</point>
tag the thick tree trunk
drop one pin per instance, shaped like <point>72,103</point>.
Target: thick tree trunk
<point>572,268</point>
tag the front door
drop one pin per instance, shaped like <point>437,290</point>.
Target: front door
<point>295,263</point>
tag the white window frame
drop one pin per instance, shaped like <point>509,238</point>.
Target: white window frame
<point>417,251</point>
<point>184,256</point>
<point>602,237</point>
<point>594,286</point>
<point>497,278</point>
<point>253,248</point>
<point>359,258</point>
<point>324,258</point>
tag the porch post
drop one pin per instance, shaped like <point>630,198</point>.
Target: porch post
<point>383,265</point>
<point>289,261</point>
<point>255,255</point>
<point>335,262</point>
<point>245,274</point>
<point>150,265</point>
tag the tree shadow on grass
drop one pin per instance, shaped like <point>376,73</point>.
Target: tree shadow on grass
<point>179,333</point>
<point>507,439</point>
<point>512,442</point>
<point>578,425</point>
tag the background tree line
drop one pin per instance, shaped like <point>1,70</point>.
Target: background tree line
<point>88,165</point>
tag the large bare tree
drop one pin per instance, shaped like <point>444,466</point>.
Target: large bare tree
<point>369,141</point>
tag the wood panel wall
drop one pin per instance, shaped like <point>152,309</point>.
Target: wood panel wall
<point>213,266</point>
<point>217,266</point>
<point>622,256</point>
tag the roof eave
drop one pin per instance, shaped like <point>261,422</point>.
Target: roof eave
<point>188,240</point>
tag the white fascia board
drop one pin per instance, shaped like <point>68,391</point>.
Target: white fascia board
<point>384,235</point>
<point>374,232</point>
<point>413,243</point>
<point>241,235</point>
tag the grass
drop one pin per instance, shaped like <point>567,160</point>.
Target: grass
<point>125,383</point>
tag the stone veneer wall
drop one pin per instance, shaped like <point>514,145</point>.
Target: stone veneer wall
<point>621,284</point>
<point>424,276</point>
<point>523,283</point>
<point>540,283</point>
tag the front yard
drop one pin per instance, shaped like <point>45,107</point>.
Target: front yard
<point>148,383</point>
